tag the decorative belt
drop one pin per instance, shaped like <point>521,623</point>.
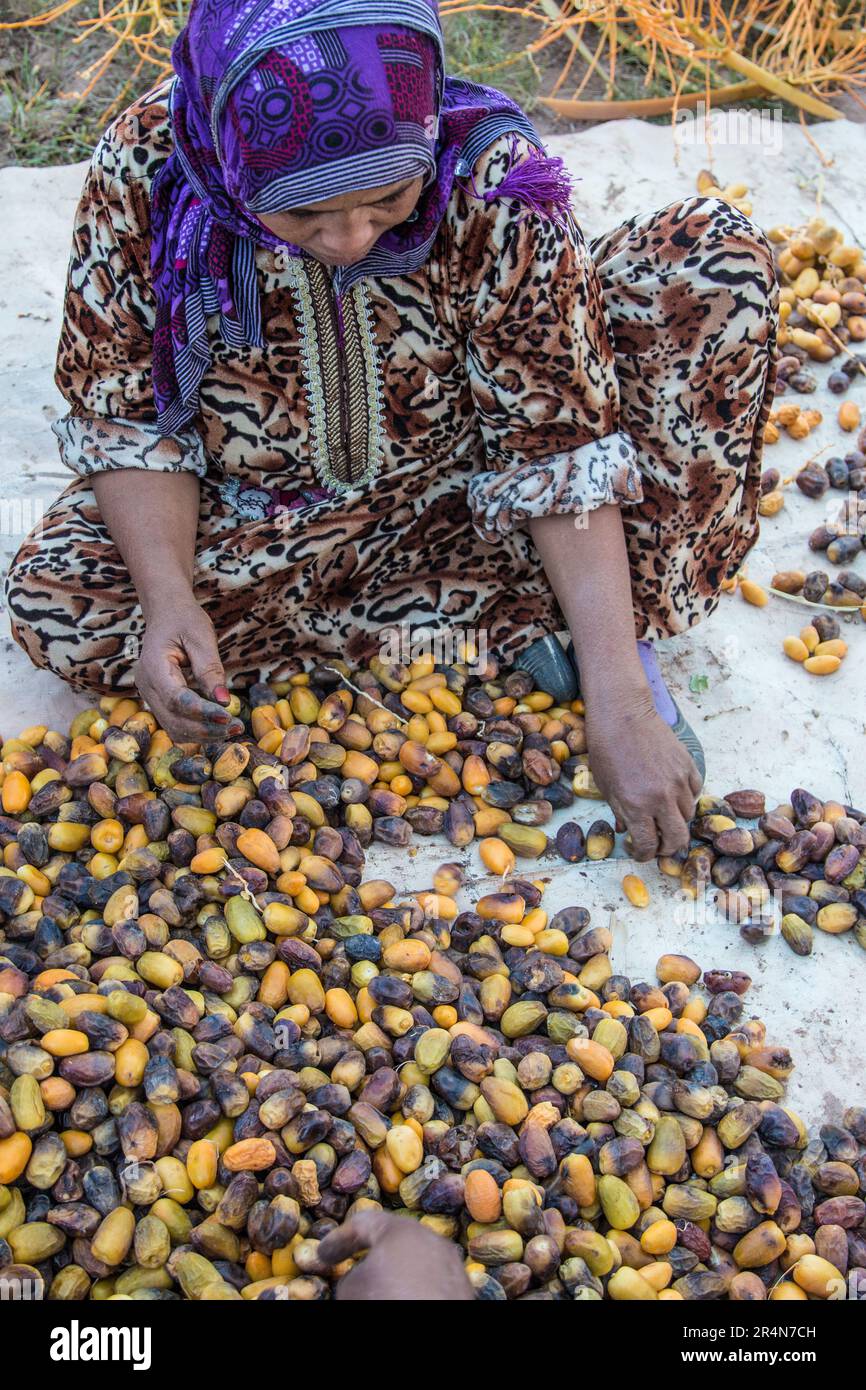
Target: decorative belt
<point>259,503</point>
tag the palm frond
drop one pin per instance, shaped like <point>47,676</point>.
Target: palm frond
<point>801,52</point>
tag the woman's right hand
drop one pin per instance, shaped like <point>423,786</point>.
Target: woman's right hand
<point>180,644</point>
<point>152,518</point>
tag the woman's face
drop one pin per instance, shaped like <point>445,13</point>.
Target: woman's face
<point>342,230</point>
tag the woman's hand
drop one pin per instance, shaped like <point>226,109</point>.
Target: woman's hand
<point>641,767</point>
<point>152,518</point>
<point>180,641</point>
<point>645,773</point>
<point>405,1261</point>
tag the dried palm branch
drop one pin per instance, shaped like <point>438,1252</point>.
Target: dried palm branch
<point>798,51</point>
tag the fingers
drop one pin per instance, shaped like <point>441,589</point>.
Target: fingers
<point>208,718</point>
<point>644,836</point>
<point>185,715</point>
<point>695,782</point>
<point>201,647</point>
<point>686,803</point>
<point>665,831</point>
<point>189,642</point>
<point>673,830</point>
<point>687,785</point>
<point>676,808</point>
<point>204,658</point>
<point>361,1232</point>
<point>622,824</point>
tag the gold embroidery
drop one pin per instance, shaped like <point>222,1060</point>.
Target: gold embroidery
<point>343,381</point>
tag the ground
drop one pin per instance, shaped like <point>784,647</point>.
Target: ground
<point>764,722</point>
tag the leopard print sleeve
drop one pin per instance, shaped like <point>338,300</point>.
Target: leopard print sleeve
<point>539,358</point>
<point>104,357</point>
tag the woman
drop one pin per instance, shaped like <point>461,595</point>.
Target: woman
<point>338,360</point>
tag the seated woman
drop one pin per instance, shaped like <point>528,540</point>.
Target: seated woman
<point>338,360</point>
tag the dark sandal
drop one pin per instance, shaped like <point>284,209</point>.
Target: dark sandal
<point>550,668</point>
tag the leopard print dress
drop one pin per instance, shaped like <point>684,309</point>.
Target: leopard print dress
<point>373,467</point>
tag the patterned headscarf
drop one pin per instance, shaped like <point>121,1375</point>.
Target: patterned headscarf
<point>281,103</point>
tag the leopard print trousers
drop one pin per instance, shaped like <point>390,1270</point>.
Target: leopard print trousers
<point>692,316</point>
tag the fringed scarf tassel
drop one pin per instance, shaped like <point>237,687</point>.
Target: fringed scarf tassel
<point>540,181</point>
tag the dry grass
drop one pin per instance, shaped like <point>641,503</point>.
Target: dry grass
<point>802,52</point>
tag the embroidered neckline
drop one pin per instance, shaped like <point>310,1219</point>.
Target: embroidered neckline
<point>342,377</point>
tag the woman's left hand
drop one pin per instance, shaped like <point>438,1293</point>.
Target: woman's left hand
<point>645,773</point>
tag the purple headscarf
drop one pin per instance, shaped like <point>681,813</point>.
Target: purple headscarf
<point>282,103</point>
